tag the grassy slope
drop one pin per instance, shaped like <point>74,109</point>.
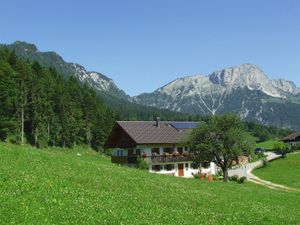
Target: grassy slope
<point>59,187</point>
<point>282,171</point>
<point>267,144</point>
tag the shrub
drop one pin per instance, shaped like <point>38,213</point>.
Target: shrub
<point>197,176</point>
<point>107,151</point>
<point>241,180</point>
<point>296,147</point>
<point>282,148</point>
<point>265,162</point>
<point>261,155</point>
<point>142,164</point>
<point>217,177</point>
<point>234,178</point>
<point>219,173</point>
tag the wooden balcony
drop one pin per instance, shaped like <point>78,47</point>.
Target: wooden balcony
<point>124,159</point>
<point>151,159</point>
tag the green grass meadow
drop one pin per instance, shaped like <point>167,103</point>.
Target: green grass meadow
<point>63,186</point>
<point>267,145</point>
<point>282,171</point>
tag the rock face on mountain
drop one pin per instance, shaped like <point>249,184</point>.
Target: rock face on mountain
<point>244,89</point>
<point>96,80</point>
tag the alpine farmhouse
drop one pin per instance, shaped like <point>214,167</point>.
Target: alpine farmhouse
<point>292,139</point>
<point>158,143</point>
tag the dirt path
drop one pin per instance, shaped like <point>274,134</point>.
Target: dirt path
<point>269,184</point>
<point>246,171</point>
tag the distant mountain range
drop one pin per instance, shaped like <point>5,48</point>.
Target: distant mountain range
<point>243,89</point>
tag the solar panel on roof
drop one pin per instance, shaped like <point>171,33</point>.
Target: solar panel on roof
<point>184,125</point>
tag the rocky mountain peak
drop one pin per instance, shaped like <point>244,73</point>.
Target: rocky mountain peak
<point>243,75</point>
<point>243,89</point>
<point>247,76</point>
<point>286,86</point>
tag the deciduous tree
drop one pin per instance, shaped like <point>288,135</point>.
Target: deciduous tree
<point>221,140</point>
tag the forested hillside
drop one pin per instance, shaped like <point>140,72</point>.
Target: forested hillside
<point>43,108</point>
<point>112,96</point>
<point>40,107</point>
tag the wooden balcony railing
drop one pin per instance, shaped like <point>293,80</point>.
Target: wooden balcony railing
<point>151,159</point>
<point>167,158</point>
<point>124,159</point>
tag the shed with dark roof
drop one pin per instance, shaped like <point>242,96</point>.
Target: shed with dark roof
<point>294,137</point>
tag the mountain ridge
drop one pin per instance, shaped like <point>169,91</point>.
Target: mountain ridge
<point>217,77</point>
<point>96,80</point>
<point>244,89</point>
<point>228,90</point>
<point>104,86</point>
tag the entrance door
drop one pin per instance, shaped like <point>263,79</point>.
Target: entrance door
<point>130,152</point>
<point>180,170</point>
<point>131,157</point>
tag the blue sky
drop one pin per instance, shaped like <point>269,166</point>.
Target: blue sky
<point>143,45</point>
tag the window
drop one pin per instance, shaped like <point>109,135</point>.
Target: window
<point>155,151</point>
<point>205,165</point>
<point>186,166</point>
<point>119,153</point>
<point>168,150</point>
<point>169,167</point>
<point>138,151</point>
<point>156,168</point>
<point>195,165</point>
<point>180,150</point>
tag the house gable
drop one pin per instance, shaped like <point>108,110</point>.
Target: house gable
<point>119,138</point>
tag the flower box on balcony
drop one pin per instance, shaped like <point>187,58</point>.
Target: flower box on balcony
<point>174,154</point>
<point>165,154</point>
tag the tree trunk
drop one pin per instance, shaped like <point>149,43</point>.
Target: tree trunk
<point>48,132</point>
<point>36,140</point>
<point>88,136</point>
<point>22,99</point>
<point>225,174</point>
<point>22,123</point>
<point>36,137</point>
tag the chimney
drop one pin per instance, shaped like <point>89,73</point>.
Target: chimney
<point>157,121</point>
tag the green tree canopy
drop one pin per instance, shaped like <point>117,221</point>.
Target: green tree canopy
<point>221,140</point>
<point>282,148</point>
<point>41,107</point>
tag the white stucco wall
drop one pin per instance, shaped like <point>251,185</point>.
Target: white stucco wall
<point>188,171</point>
